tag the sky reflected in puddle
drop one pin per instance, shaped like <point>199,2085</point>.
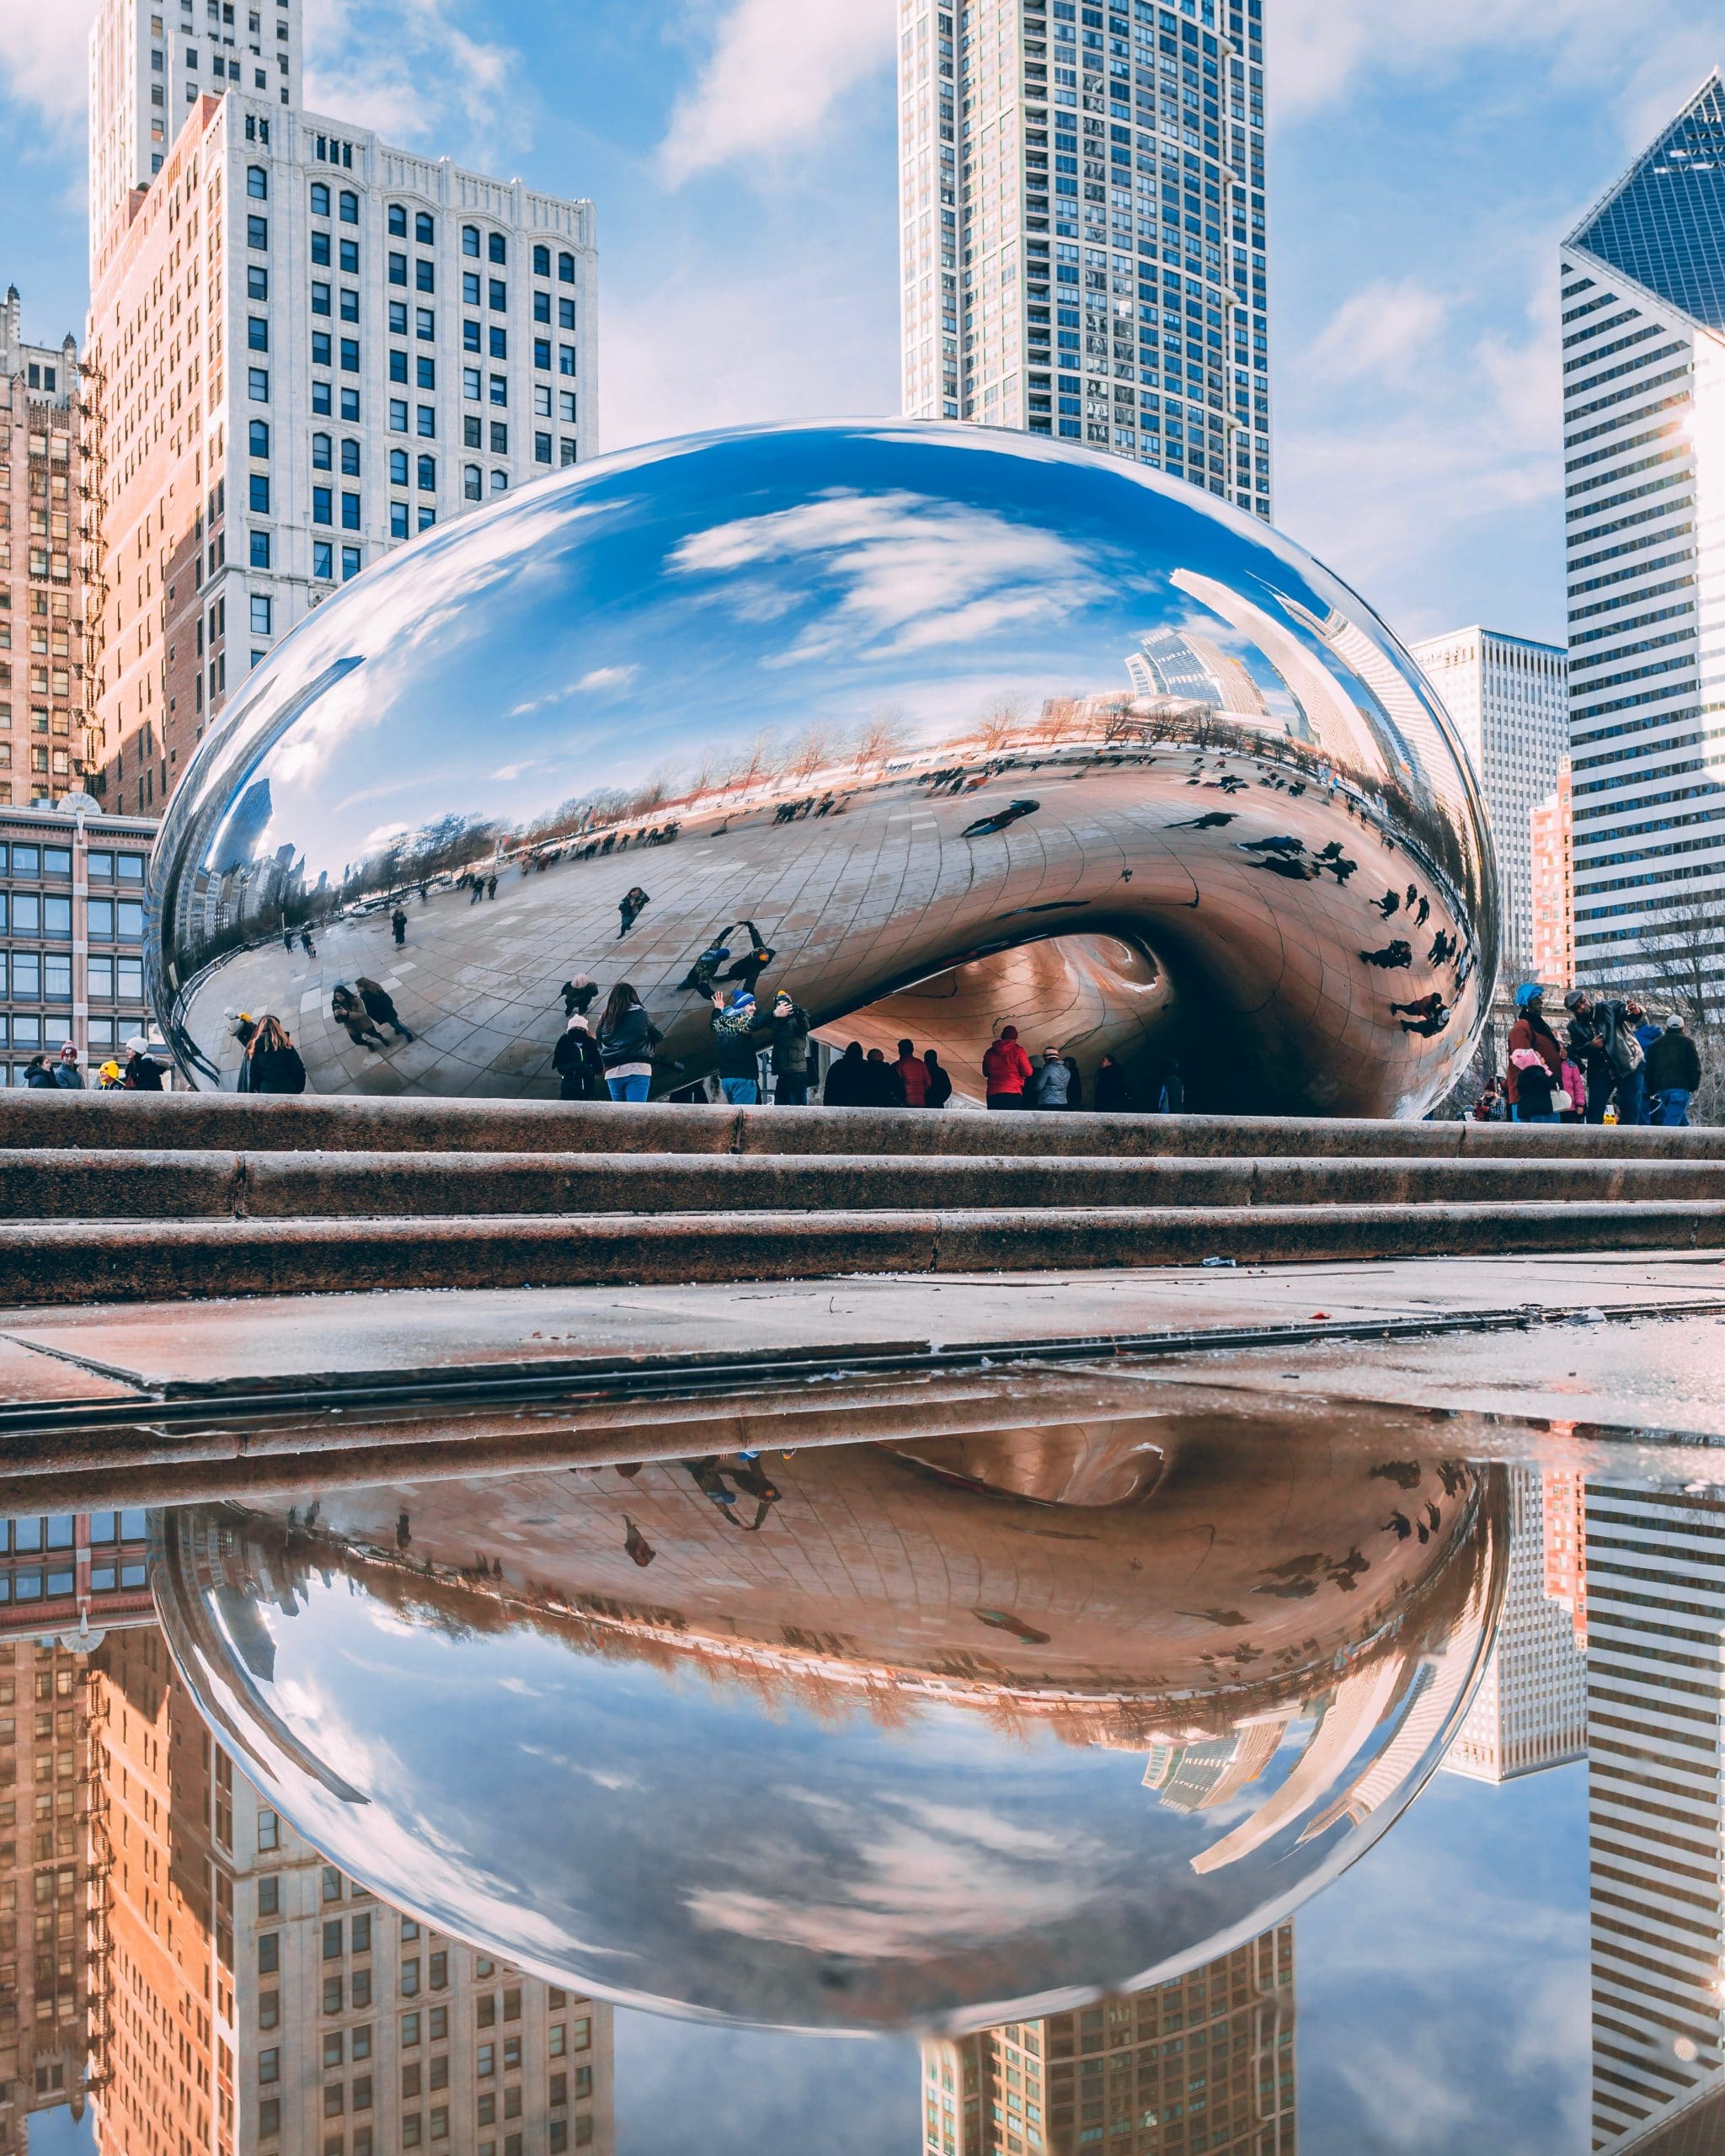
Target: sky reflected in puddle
<point>1219,1775</point>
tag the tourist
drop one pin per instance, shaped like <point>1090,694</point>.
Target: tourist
<point>790,1051</point>
<point>701,975</point>
<point>1535,1084</point>
<point>939,1083</point>
<point>1646,1030</point>
<point>1611,1056</point>
<point>273,1063</point>
<point>911,1073</point>
<point>844,1083</point>
<point>379,1005</point>
<point>351,1014</point>
<point>880,1082</point>
<point>1171,1094</point>
<point>306,943</point>
<point>108,1079</point>
<point>737,1037</point>
<point>39,1076</point>
<point>1532,1031</point>
<point>491,885</point>
<point>1111,1098</point>
<point>1574,1082</point>
<point>755,961</point>
<point>144,1072</point>
<point>287,939</point>
<point>630,907</point>
<point>1005,1070</point>
<point>578,993</point>
<point>626,1044</point>
<point>1674,1071</point>
<point>1075,1083</point>
<point>67,1074</point>
<point>578,1063</point>
<point>1047,1088</point>
<point>398,922</point>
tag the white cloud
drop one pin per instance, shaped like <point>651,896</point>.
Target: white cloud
<point>43,59</point>
<point>408,69</point>
<point>605,677</point>
<point>776,70</point>
<point>1380,330</point>
<point>1319,49</point>
<point>914,572</point>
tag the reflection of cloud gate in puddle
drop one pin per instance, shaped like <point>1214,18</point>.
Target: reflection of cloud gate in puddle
<point>907,703</point>
<point>863,1737</point>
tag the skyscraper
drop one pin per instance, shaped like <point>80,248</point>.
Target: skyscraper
<point>1643,357</point>
<point>1081,212</point>
<point>1552,882</point>
<point>1656,1722</point>
<point>1530,1710</point>
<point>43,562</point>
<point>1507,697</point>
<point>305,348</point>
<point>1216,2046</point>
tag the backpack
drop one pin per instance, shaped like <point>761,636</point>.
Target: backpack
<point>1625,1052</point>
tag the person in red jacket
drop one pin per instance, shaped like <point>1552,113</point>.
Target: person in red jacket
<point>1007,1070</point>
<point>912,1074</point>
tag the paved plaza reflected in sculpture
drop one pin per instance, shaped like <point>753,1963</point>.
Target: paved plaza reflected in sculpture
<point>866,1737</point>
<point>961,727</point>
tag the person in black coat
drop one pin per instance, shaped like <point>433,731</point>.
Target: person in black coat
<point>1111,1096</point>
<point>846,1087</point>
<point>940,1080</point>
<point>273,1063</point>
<point>578,1063</point>
<point>880,1084</point>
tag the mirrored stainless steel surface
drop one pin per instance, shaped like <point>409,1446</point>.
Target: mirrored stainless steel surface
<point>888,702</point>
<point>862,1737</point>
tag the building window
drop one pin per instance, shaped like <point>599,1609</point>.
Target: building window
<point>470,239</point>
<point>349,204</point>
<point>542,353</point>
<point>424,275</point>
<point>322,506</point>
<point>566,269</point>
<point>350,513</point>
<point>350,458</point>
<point>428,420</point>
<point>351,406</point>
<point>472,482</point>
<point>471,384</point>
<point>321,403</point>
<point>322,453</point>
<point>500,439</point>
<point>320,347</point>
<point>499,482</point>
<point>323,560</point>
<point>399,519</point>
<point>258,385</point>
<point>397,415</point>
<point>350,568</point>
<point>257,333</point>
<point>350,355</point>
<point>495,247</point>
<point>257,182</point>
<point>269,1831</point>
<point>497,342</point>
<point>566,358</point>
<point>260,493</point>
<point>258,233</point>
<point>471,339</point>
<point>260,614</point>
<point>424,372</point>
<point>542,449</point>
<point>260,550</point>
<point>499,389</point>
<point>397,467</point>
<point>320,199</point>
<point>258,438</point>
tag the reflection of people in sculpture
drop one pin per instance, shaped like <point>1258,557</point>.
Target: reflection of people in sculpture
<point>1002,819</point>
<point>630,907</point>
<point>379,1006</point>
<point>349,1013</point>
<point>1389,903</point>
<point>578,993</point>
<point>1398,953</point>
<point>1283,844</point>
<point>398,924</point>
<point>1213,822</point>
<point>1426,1014</point>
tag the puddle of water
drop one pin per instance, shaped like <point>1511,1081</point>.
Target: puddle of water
<point>1050,1765</point>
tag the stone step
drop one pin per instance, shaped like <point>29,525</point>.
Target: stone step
<point>65,1262</point>
<point>87,1184</point>
<point>231,1122</point>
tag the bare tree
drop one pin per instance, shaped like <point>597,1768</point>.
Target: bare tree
<point>819,744</point>
<point>1001,726</point>
<point>882,735</point>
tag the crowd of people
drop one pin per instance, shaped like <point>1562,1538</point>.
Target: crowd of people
<point>1605,1060</point>
<point>140,1072</point>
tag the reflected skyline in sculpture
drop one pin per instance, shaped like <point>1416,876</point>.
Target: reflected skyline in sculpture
<point>1033,1714</point>
<point>802,682</point>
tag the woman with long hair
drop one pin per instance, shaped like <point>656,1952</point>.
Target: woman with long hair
<point>626,1044</point>
<point>273,1062</point>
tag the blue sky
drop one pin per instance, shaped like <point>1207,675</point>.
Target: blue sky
<point>1425,156</point>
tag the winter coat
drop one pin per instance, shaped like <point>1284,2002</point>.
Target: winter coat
<point>844,1087</point>
<point>940,1086</point>
<point>632,1042</point>
<point>1006,1068</point>
<point>272,1071</point>
<point>911,1073</point>
<point>40,1080</point>
<point>738,1037</point>
<point>1048,1086</point>
<point>577,1061</point>
<point>790,1042</point>
<point>1111,1088</point>
<point>1674,1064</point>
<point>68,1078</point>
<point>880,1086</point>
<point>143,1074</point>
<point>1528,1031</point>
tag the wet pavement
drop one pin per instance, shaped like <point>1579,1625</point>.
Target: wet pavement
<point>1212,1752</point>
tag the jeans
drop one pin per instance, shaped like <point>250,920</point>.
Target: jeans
<point>1673,1107</point>
<point>1534,1115</point>
<point>791,1089</point>
<point>629,1089</point>
<point>1631,1095</point>
<point>740,1092</point>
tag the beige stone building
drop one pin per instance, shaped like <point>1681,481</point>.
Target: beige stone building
<point>1552,853</point>
<point>45,540</point>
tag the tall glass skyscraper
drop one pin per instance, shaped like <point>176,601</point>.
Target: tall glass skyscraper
<point>1082,201</point>
<point>1643,354</point>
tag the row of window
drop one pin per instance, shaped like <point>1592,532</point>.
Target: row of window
<point>102,866</point>
<point>28,1034</point>
<point>35,1532</point>
<point>31,1583</point>
<point>28,913</point>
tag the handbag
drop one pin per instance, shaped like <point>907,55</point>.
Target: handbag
<point>1561,1102</point>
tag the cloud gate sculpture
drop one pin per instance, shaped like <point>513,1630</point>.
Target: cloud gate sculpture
<point>957,727</point>
<point>928,1734</point>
